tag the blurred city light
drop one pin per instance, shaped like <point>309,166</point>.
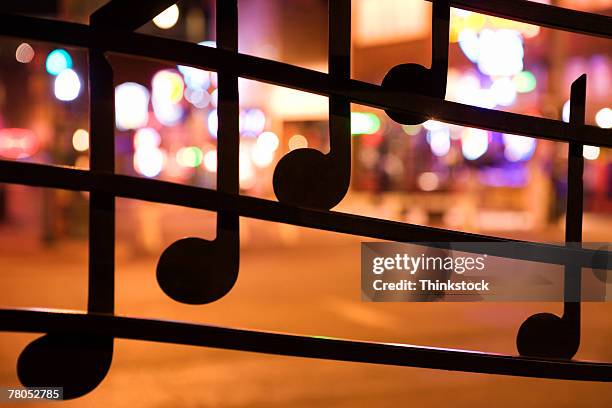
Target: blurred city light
<point>57,61</point>
<point>297,142</point>
<point>131,106</point>
<point>474,143</point>
<point>603,118</point>
<point>518,148</point>
<point>268,141</point>
<point>501,52</point>
<point>17,143</point>
<point>149,161</point>
<point>67,85</point>
<point>146,138</point>
<point>167,18</point>
<point>503,91</point>
<point>189,156</point>
<point>168,86</point>
<point>590,152</point>
<point>80,140</point>
<point>24,53</point>
<point>428,181</point>
<point>252,122</point>
<point>212,123</point>
<point>524,82</point>
<point>439,141</point>
<point>210,161</point>
<point>565,112</point>
<point>364,123</point>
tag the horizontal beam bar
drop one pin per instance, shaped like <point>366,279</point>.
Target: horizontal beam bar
<point>41,175</point>
<point>70,322</point>
<point>290,76</point>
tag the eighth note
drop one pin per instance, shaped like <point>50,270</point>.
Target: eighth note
<point>546,334</point>
<point>307,177</point>
<point>194,270</point>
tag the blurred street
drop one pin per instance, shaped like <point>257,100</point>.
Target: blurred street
<point>311,288</point>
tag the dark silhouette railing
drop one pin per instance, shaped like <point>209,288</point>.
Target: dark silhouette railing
<point>76,351</point>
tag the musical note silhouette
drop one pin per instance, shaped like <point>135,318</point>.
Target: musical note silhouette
<point>194,270</point>
<point>546,334</point>
<point>308,177</point>
<point>79,362</point>
<point>415,78</point>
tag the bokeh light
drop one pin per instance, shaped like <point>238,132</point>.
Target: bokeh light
<point>474,143</point>
<point>57,61</point>
<point>80,140</point>
<point>603,118</point>
<point>24,53</point>
<point>67,85</point>
<point>167,18</point>
<point>131,106</point>
<point>297,142</point>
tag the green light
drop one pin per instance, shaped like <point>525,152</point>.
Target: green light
<point>364,123</point>
<point>189,156</point>
<point>524,81</point>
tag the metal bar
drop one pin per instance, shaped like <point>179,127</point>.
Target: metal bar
<point>101,203</point>
<point>195,197</point>
<point>290,76</point>
<point>574,212</point>
<point>44,320</point>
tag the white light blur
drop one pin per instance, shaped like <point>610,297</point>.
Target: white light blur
<point>474,143</point>
<point>168,114</point>
<point>469,92</point>
<point>603,118</point>
<point>470,44</point>
<point>590,152</point>
<point>213,123</point>
<point>268,141</point>
<point>67,85</point>
<point>433,125</point>
<point>146,138</point>
<point>439,141</point>
<point>565,112</point>
<point>168,89</point>
<point>149,161</point>
<point>518,148</point>
<point>195,78</point>
<point>252,122</point>
<point>167,18</point>
<point>297,142</point>
<point>80,140</point>
<point>210,161</point>
<point>504,91</point>
<point>131,106</point>
<point>261,156</point>
<point>501,52</point>
<point>197,97</point>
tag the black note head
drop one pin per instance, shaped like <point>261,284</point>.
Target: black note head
<point>547,335</point>
<point>78,363</point>
<point>409,78</point>
<point>197,271</point>
<point>309,178</point>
